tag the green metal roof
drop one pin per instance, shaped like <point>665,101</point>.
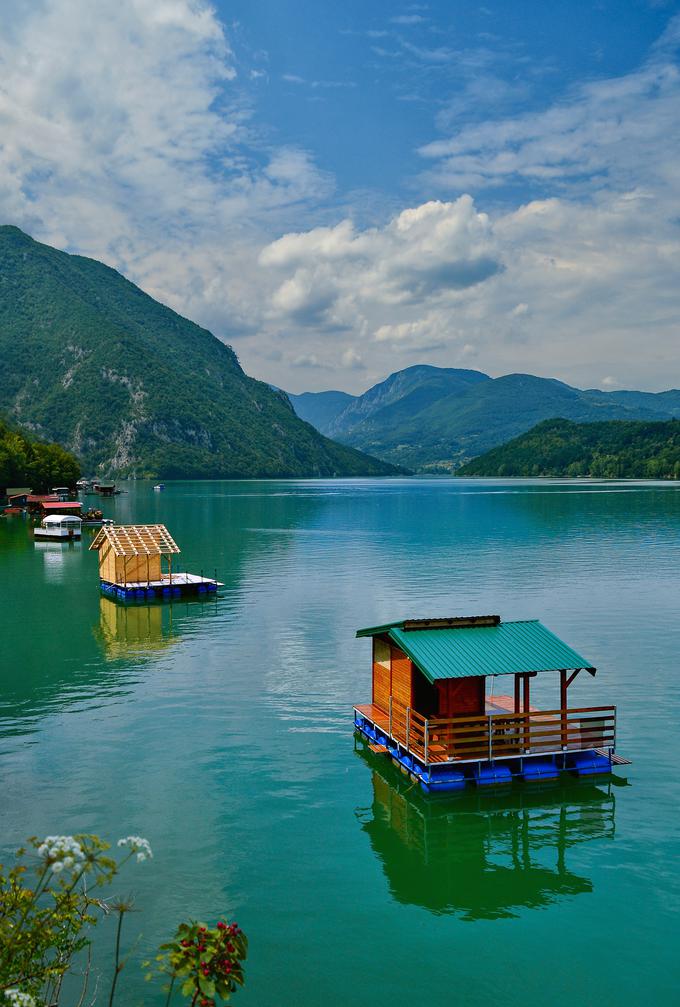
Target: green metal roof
<point>506,648</point>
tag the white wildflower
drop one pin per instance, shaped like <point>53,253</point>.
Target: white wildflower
<point>18,999</point>
<point>137,845</point>
<point>61,852</point>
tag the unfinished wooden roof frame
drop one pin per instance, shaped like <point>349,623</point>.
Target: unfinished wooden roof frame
<point>132,554</point>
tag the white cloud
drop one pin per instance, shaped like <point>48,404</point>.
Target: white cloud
<point>408,19</point>
<point>423,254</point>
<point>125,134</point>
<point>606,133</point>
<point>352,359</point>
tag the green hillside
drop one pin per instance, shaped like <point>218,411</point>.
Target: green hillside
<point>609,450</point>
<point>435,419</point>
<point>129,386</point>
<point>27,462</point>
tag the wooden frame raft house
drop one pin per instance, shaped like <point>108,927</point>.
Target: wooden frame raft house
<point>135,564</point>
<point>431,715</point>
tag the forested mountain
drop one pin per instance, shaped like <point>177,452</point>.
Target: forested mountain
<point>435,419</point>
<point>25,462</point>
<point>129,386</point>
<point>613,449</point>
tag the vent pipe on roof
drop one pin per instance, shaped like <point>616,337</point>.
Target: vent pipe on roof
<point>455,622</point>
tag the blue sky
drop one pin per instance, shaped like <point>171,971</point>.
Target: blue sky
<point>342,190</point>
<point>364,86</point>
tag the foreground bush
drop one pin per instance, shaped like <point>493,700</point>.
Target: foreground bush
<point>46,929</point>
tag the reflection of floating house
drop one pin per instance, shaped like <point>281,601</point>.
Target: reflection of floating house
<point>134,628</point>
<point>59,528</point>
<point>483,858</point>
<point>429,710</point>
<point>135,562</point>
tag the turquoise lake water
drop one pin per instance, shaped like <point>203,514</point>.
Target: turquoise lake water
<point>222,731</point>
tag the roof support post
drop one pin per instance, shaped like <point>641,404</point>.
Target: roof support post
<point>564,685</point>
<point>518,699</point>
<point>408,728</point>
<point>427,731</point>
<point>527,708</point>
<point>390,716</point>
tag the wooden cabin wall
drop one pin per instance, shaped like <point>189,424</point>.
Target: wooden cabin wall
<point>392,675</point>
<point>138,570</point>
<point>402,677</point>
<point>458,696</point>
<point>382,673</point>
<point>107,564</point>
<point>118,570</point>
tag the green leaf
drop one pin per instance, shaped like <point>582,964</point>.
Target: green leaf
<point>206,986</point>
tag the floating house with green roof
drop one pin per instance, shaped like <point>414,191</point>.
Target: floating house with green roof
<point>430,712</point>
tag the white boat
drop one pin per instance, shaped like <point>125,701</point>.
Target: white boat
<point>59,527</point>
<point>159,486</point>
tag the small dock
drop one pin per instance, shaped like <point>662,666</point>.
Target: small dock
<point>135,564</point>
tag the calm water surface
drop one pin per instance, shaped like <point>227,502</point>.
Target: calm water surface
<point>221,730</point>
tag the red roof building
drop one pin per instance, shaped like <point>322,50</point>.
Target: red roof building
<point>52,506</point>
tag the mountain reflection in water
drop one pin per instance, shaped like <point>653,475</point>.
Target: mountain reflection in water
<point>480,855</point>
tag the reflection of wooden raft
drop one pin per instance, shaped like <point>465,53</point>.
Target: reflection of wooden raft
<point>378,749</point>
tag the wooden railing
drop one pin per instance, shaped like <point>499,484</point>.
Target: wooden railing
<point>502,735</point>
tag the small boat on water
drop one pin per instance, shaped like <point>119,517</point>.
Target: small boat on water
<point>59,527</point>
<point>159,487</point>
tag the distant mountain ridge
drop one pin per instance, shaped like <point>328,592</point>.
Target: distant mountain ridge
<point>129,386</point>
<point>435,419</point>
<point>320,408</point>
<point>613,449</point>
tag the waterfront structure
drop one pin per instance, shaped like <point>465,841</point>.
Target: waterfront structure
<point>62,507</point>
<point>430,713</point>
<point>17,496</point>
<point>59,528</point>
<point>105,487</point>
<point>135,563</point>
